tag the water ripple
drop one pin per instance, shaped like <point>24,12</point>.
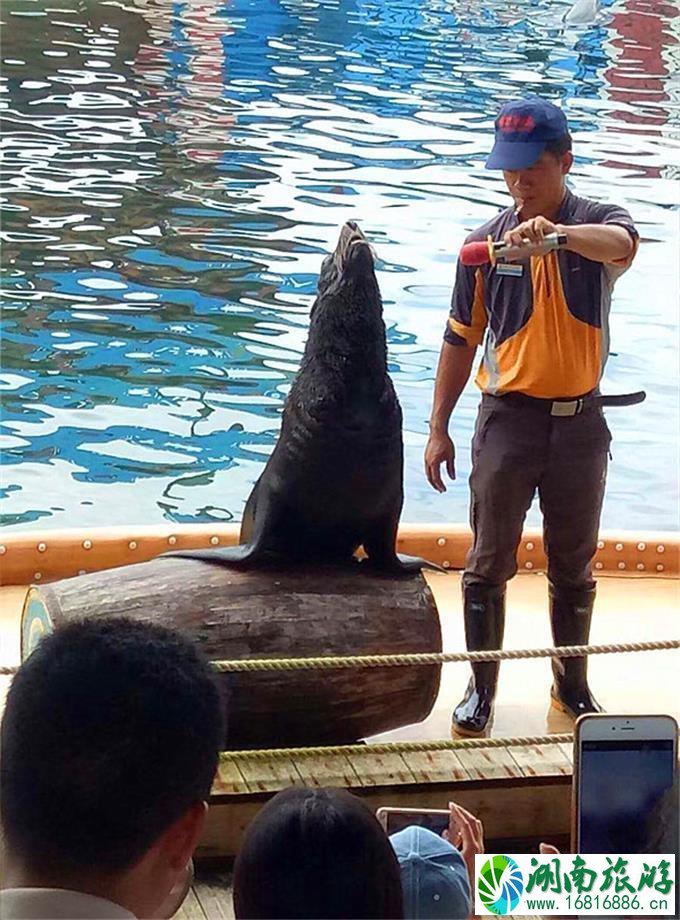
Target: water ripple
<point>173,174</point>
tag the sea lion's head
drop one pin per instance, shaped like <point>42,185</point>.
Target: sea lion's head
<point>353,254</point>
<point>346,318</point>
<point>349,269</point>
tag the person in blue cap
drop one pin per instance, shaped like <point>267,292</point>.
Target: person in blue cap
<point>434,877</point>
<point>438,872</point>
<point>543,321</point>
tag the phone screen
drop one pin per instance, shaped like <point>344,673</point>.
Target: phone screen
<point>627,797</point>
<point>397,821</point>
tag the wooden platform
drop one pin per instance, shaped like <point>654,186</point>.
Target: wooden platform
<point>534,785</point>
<point>518,792</point>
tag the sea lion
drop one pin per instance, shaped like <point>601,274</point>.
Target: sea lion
<point>334,480</point>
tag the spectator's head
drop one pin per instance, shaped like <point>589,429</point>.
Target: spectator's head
<point>433,875</point>
<point>316,853</point>
<point>109,746</point>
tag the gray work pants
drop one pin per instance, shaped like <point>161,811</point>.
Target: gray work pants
<point>516,450</point>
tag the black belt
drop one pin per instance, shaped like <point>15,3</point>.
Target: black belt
<point>565,408</point>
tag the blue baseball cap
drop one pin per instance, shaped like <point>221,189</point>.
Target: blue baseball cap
<point>434,876</point>
<point>523,129</point>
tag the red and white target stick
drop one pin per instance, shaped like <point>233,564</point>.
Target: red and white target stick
<point>485,251</point>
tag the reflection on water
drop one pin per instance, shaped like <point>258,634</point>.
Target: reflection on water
<point>175,171</point>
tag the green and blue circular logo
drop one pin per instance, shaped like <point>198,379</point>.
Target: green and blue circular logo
<point>500,884</point>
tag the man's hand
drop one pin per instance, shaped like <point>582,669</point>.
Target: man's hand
<point>534,230</point>
<point>598,242</point>
<point>439,450</point>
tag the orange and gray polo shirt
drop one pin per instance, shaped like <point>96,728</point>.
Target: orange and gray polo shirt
<point>545,331</point>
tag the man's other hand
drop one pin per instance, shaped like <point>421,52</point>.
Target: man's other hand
<point>439,450</point>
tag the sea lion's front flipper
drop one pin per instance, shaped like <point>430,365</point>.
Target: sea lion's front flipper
<point>248,519</point>
<point>415,563</point>
<point>379,548</point>
<point>261,518</point>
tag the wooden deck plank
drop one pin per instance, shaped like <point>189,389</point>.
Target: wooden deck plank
<point>331,770</point>
<point>435,766</point>
<point>215,899</point>
<point>568,751</point>
<point>526,809</point>
<point>541,760</point>
<point>380,769</point>
<point>268,776</point>
<point>191,908</point>
<point>488,763</point>
<point>229,779</point>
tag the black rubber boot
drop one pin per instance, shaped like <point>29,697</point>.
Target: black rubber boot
<point>571,610</point>
<point>484,611</point>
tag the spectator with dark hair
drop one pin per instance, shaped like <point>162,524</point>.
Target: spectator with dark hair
<point>316,853</point>
<point>110,742</point>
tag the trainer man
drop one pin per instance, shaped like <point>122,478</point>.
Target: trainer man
<point>543,321</point>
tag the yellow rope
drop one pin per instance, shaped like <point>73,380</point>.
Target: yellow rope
<point>425,658</point>
<point>395,747</point>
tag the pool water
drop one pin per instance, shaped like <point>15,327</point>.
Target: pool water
<point>175,172</point>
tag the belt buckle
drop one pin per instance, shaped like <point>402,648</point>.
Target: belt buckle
<point>566,409</point>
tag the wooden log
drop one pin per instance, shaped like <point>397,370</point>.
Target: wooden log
<point>279,614</point>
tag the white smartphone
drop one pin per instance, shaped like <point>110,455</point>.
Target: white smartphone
<point>396,819</point>
<point>625,789</point>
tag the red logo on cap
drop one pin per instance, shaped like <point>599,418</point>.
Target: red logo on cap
<point>522,123</point>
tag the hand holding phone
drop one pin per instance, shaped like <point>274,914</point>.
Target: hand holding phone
<point>457,825</point>
<point>466,833</point>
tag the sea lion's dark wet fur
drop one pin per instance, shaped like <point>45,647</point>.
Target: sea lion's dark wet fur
<point>334,480</point>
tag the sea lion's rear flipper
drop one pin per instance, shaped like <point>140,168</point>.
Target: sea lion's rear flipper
<point>242,555</point>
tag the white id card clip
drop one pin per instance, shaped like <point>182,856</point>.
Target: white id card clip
<point>513,269</point>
